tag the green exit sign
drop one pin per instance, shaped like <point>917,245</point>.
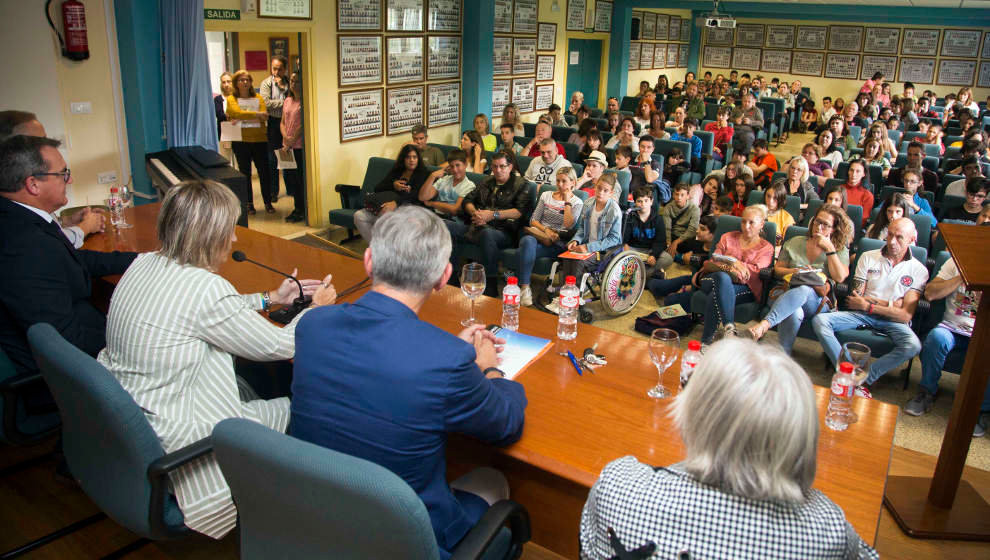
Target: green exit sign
<point>222,14</point>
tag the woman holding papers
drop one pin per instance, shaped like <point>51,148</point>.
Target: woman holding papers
<point>292,141</point>
<point>248,108</point>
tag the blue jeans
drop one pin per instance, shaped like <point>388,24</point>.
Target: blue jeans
<point>789,312</point>
<point>662,287</point>
<point>939,342</point>
<point>490,240</point>
<point>906,343</point>
<point>529,250</point>
<point>720,309</point>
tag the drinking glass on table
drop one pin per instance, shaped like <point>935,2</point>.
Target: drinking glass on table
<point>859,356</point>
<point>665,347</point>
<point>473,285</point>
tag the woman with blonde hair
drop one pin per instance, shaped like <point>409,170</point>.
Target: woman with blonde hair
<point>873,155</point>
<point>749,421</point>
<point>798,179</point>
<point>878,132</point>
<point>246,106</point>
<point>179,335</point>
<point>510,115</point>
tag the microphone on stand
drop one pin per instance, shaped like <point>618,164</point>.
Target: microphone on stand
<point>288,312</point>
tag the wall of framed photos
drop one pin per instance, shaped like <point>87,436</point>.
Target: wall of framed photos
<point>661,47</point>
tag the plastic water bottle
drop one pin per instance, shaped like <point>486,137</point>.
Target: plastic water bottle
<point>841,397</point>
<point>689,361</point>
<point>116,204</point>
<point>567,317</point>
<point>510,304</point>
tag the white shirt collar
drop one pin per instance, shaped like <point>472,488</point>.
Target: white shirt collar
<point>48,217</point>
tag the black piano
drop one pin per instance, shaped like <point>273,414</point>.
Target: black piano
<point>187,163</point>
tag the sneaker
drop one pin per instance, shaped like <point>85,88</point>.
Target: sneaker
<point>553,307</point>
<point>920,404</point>
<point>725,331</point>
<point>980,429</point>
<point>526,296</point>
<point>863,392</point>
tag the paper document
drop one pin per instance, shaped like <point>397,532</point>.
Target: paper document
<point>671,311</point>
<point>286,159</point>
<point>230,131</point>
<point>520,350</point>
<point>251,104</point>
<point>576,256</point>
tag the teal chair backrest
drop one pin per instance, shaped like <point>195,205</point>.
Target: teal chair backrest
<point>707,141</point>
<point>561,133</point>
<point>810,211</point>
<point>578,168</point>
<point>570,151</point>
<point>868,244</point>
<point>795,231</point>
<point>950,202</point>
<point>442,147</point>
<point>106,438</point>
<point>628,103</point>
<point>664,147</point>
<point>299,500</point>
<point>856,132</point>
<point>378,169</point>
<point>529,129</point>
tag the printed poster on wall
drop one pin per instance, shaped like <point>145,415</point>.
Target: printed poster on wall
<point>956,72</point>
<point>685,29</point>
<point>776,61</point>
<point>502,56</point>
<point>882,40</point>
<point>959,42</point>
<point>745,58</point>
<point>985,51</point>
<point>544,97</point>
<point>663,27</point>
<point>445,103</point>
<point>545,67</point>
<point>523,90</point>
<point>660,55</point>
<point>360,60</point>
<point>682,56</point>
<point>444,15</point>
<point>672,51</point>
<point>404,15</point>
<point>500,95</point>
<point>524,55</point>
<point>983,80</point>
<point>405,108</point>
<point>674,29</point>
<point>917,70</point>
<point>844,38</point>
<point>405,59</point>
<point>359,15</point>
<point>503,16</point>
<point>923,42</point>
<point>840,65</point>
<point>780,37</point>
<point>575,14</point>
<point>648,27</point>
<point>360,114</point>
<point>749,34</point>
<point>603,17</point>
<point>811,37</point>
<point>634,51</point>
<point>717,57</point>
<point>444,59</point>
<point>886,65</point>
<point>718,36</point>
<point>546,39</point>
<point>525,17</point>
<point>646,56</point>
<point>805,63</point>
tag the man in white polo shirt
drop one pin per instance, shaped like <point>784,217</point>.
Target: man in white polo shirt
<point>887,286</point>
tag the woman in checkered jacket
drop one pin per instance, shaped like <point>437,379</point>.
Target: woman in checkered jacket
<point>744,490</point>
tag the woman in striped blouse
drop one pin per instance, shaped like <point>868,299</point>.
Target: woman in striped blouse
<point>173,329</point>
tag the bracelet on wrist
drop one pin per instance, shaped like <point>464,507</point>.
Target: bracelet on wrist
<point>830,253</point>
<point>495,369</point>
<point>266,301</point>
<point>869,310</point>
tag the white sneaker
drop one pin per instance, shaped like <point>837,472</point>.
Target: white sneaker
<point>554,307</point>
<point>526,296</point>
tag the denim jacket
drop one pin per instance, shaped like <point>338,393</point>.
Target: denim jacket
<point>609,226</point>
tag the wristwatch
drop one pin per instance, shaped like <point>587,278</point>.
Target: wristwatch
<point>495,369</point>
<point>567,204</point>
<point>496,215</point>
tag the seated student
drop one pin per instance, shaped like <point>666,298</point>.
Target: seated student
<point>549,229</point>
<point>722,131</point>
<point>856,188</point>
<point>510,115</point>
<point>878,132</point>
<point>431,155</point>
<point>656,128</point>
<point>674,166</point>
<point>677,116</point>
<point>543,170</point>
<point>661,286</point>
<point>494,210</point>
<point>174,329</point>
<point>508,134</point>
<point>594,165</point>
<point>481,127</point>
<point>827,112</point>
<point>968,131</point>
<point>613,122</point>
<point>873,155</point>
<point>623,157</point>
<point>686,134</point>
<point>723,206</point>
<point>764,164</point>
<point>577,99</point>
<point>400,186</point>
<point>734,168</point>
<point>642,114</point>
<point>643,229</point>
<point>583,113</point>
<point>970,168</point>
<point>934,135</point>
<point>973,147</point>
<point>646,171</point>
<point>706,193</point>
<point>892,209</point>
<point>580,136</point>
<point>798,181</point>
<point>599,229</point>
<point>894,123</point>
<point>907,115</point>
<point>730,282</point>
<point>612,105</point>
<point>908,91</point>
<point>953,332</point>
<point>829,146</point>
<point>473,146</point>
<point>445,189</point>
<point>976,195</point>
<point>593,144</point>
<point>886,303</point>
<point>741,187</point>
<point>741,492</point>
<point>556,119</point>
<point>626,135</point>
<point>964,102</point>
<point>809,117</point>
<point>924,109</point>
<point>819,170</point>
<point>915,155</point>
<point>680,218</point>
<point>775,199</point>
<point>824,248</point>
<point>543,131</point>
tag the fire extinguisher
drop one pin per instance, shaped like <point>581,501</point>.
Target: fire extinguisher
<point>76,44</point>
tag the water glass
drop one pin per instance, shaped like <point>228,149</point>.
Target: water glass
<point>665,347</point>
<point>472,285</point>
<point>859,356</point>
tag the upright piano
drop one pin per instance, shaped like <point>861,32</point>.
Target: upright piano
<point>188,163</point>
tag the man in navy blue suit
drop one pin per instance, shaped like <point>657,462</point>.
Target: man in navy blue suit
<point>374,381</point>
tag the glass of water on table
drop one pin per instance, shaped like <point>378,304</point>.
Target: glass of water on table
<point>665,347</point>
<point>859,356</point>
<point>472,285</point>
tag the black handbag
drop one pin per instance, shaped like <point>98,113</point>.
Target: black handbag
<point>648,323</point>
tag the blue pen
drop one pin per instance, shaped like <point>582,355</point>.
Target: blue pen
<point>574,361</point>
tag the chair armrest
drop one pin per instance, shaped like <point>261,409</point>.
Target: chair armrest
<point>477,540</point>
<point>158,472</point>
<point>18,382</point>
<point>348,195</point>
<point>766,274</point>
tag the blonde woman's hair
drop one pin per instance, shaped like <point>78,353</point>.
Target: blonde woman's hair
<point>196,223</point>
<point>799,160</point>
<point>749,421</point>
<point>569,171</point>
<point>760,209</point>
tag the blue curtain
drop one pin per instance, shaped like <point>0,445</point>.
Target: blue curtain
<point>188,97</point>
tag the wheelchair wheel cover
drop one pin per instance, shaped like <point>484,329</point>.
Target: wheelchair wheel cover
<point>623,283</point>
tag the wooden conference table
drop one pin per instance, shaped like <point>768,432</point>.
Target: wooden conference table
<point>575,424</point>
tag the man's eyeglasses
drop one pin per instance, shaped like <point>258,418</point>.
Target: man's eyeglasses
<point>64,174</point>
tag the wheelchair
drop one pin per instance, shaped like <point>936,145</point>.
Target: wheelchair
<point>618,281</point>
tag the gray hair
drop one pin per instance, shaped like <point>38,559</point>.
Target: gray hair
<point>196,223</point>
<point>749,420</point>
<point>410,248</point>
<point>20,158</point>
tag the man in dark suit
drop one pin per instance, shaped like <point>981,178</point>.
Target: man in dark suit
<point>45,279</point>
<point>372,380</point>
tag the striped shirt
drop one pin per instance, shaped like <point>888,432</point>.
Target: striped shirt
<point>171,332</point>
<point>273,95</point>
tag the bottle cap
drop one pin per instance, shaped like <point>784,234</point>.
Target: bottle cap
<point>113,189</point>
<point>570,280</point>
<point>694,345</point>
<point>846,367</point>
<point>511,280</point>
